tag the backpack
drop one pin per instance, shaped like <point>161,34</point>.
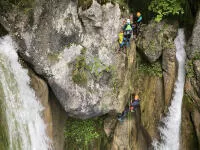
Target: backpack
<point>128,29</point>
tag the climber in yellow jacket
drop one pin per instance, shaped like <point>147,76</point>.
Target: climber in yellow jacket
<point>121,40</point>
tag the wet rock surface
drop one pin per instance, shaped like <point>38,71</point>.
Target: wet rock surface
<point>156,37</point>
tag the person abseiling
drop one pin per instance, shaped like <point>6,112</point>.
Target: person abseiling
<point>135,103</point>
<point>132,105</point>
<point>127,31</point>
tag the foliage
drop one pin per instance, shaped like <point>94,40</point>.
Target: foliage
<point>190,69</point>
<point>151,69</point>
<point>122,3</point>
<point>81,69</point>
<point>85,4</point>
<point>82,132</point>
<point>25,5</point>
<point>166,7</point>
<point>97,68</point>
<point>189,66</point>
<point>79,75</point>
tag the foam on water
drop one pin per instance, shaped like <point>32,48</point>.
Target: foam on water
<point>26,128</point>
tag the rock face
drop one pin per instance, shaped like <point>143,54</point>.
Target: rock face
<point>151,91</point>
<point>191,103</point>
<point>154,38</point>
<point>156,92</point>
<point>130,134</point>
<point>55,36</point>
<point>169,66</point>
<point>190,124</point>
<point>193,46</point>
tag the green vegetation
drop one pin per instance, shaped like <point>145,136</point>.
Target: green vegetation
<point>82,132</point>
<point>25,5</point>
<point>165,8</point>
<point>95,67</point>
<point>154,69</point>
<point>122,3</point>
<point>190,73</point>
<point>53,57</point>
<point>79,75</point>
<point>85,4</point>
<point>190,69</point>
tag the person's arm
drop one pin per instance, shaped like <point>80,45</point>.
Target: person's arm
<point>139,19</point>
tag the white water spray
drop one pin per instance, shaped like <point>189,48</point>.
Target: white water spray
<point>170,132</point>
<point>26,129</point>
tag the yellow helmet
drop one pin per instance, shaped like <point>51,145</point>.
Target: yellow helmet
<point>136,97</point>
<point>138,14</point>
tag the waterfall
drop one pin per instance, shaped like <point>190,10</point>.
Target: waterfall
<point>26,128</point>
<point>170,132</point>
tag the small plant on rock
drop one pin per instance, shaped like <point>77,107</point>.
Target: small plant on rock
<point>82,132</point>
<point>154,69</point>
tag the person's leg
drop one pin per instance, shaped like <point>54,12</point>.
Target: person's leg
<point>124,114</point>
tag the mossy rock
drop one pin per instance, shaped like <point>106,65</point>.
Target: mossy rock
<point>80,77</point>
<point>85,4</point>
<point>2,31</point>
<point>25,5</point>
<point>103,2</point>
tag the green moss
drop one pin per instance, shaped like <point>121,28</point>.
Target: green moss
<point>53,57</point>
<point>190,73</point>
<point>2,31</point>
<point>82,132</point>
<point>79,75</point>
<point>189,69</point>
<point>96,68</point>
<point>103,2</point>
<point>25,5</point>
<point>187,102</point>
<point>152,45</point>
<point>85,4</point>
<point>154,69</point>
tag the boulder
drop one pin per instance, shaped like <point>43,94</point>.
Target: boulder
<point>169,67</point>
<point>155,37</point>
<point>54,37</point>
<point>193,45</point>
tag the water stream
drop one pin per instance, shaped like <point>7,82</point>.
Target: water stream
<point>170,131</point>
<point>26,128</point>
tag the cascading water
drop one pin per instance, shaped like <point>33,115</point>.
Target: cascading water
<point>170,132</point>
<point>26,129</point>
